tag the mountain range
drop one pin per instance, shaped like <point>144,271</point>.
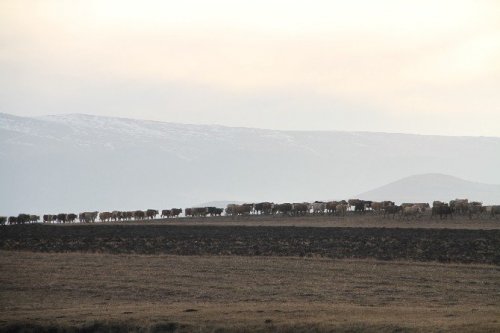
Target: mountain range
<point>80,162</point>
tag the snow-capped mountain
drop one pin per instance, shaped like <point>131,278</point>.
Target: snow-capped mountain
<point>82,162</point>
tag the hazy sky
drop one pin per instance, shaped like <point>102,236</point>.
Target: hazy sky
<point>427,66</point>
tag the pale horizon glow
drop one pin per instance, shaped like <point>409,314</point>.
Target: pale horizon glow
<point>426,67</point>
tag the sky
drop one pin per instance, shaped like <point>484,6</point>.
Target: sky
<point>426,67</point>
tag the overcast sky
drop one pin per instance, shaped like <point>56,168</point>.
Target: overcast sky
<point>427,66</point>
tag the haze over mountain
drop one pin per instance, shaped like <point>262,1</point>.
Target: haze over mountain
<point>81,162</point>
<point>429,187</point>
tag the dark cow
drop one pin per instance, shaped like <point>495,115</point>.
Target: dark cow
<point>34,218</point>
<point>49,218</point>
<point>392,210</point>
<point>188,212</point>
<point>151,213</point>
<point>165,213</point>
<point>352,203</point>
<point>265,208</point>
<point>388,203</point>
<point>360,206</point>
<point>442,210</point>
<point>71,217</point>
<point>23,218</point>
<point>200,211</point>
<point>300,208</point>
<point>88,216</point>
<point>139,215</point>
<point>283,209</point>
<point>175,212</point>
<point>214,211</point>
<point>12,220</point>
<point>3,220</point>
<point>331,207</point>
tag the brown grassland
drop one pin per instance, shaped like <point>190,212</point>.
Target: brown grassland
<point>73,278</point>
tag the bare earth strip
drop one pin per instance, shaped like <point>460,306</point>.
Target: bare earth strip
<point>234,293</point>
<point>368,220</point>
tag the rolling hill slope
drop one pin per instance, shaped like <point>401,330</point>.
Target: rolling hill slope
<point>429,187</point>
<point>81,162</point>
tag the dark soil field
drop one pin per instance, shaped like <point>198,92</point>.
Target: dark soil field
<point>418,244</point>
<point>252,275</point>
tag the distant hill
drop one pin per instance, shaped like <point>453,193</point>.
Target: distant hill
<point>430,187</point>
<point>78,162</point>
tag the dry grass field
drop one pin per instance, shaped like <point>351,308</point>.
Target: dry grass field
<point>311,274</point>
<point>233,293</point>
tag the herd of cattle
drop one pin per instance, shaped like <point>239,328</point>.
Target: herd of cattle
<point>461,207</point>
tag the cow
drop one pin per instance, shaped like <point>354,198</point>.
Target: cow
<point>331,207</point>
<point>392,210</point>
<point>3,220</point>
<point>283,209</point>
<point>165,213</point>
<point>175,212</point>
<point>300,208</point>
<point>494,211</point>
<point>341,209</point>
<point>377,207</point>
<point>139,215</point>
<point>71,217</point>
<point>214,211</point>
<point>34,218</point>
<point>188,212</point>
<point>265,208</point>
<point>105,216</point>
<point>437,203</point>
<point>352,203</point>
<point>244,209</point>
<point>116,215</point>
<point>460,206</point>
<point>421,205</point>
<point>235,210</point>
<point>318,207</point>
<point>12,220</point>
<point>360,206</point>
<point>128,215</point>
<point>475,208</point>
<point>88,217</point>
<point>231,209</point>
<point>442,210</point>
<point>151,213</point>
<point>23,218</point>
<point>200,211</point>
<point>388,203</point>
<point>47,218</point>
<point>413,211</point>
